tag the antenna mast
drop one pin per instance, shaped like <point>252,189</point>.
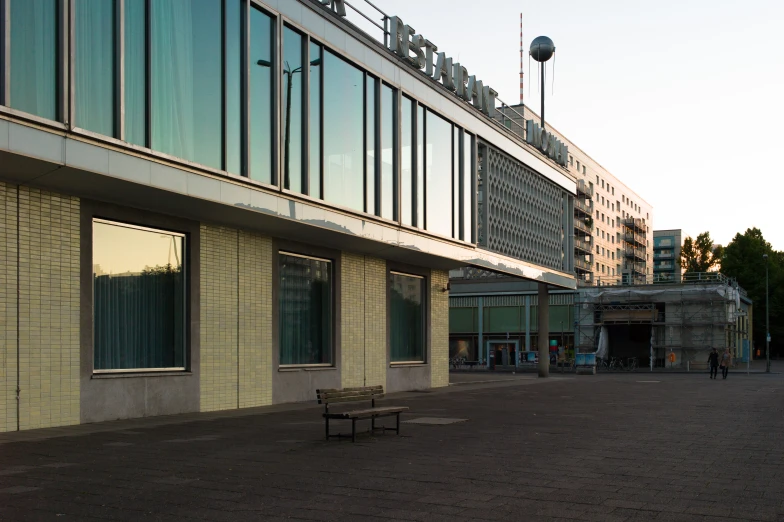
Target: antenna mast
<point>521,60</point>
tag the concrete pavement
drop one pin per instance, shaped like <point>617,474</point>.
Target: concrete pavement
<point>619,447</point>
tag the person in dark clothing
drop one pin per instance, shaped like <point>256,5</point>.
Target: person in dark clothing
<point>713,360</point>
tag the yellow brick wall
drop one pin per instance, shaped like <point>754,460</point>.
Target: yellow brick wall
<point>363,321</point>
<point>7,307</point>
<point>219,318</point>
<point>439,336</point>
<point>255,320</point>
<point>48,309</point>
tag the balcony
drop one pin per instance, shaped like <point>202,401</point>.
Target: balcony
<point>634,253</point>
<point>581,206</point>
<point>582,226</point>
<point>584,189</point>
<point>634,238</point>
<point>636,225</point>
<point>581,264</point>
<point>664,254</point>
<point>584,247</point>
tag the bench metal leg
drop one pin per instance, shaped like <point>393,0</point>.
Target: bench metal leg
<point>327,424</point>
<point>397,427</point>
<point>372,424</point>
<point>353,430</point>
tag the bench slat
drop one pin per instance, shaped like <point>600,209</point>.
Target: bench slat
<point>338,400</point>
<point>337,395</point>
<point>371,412</point>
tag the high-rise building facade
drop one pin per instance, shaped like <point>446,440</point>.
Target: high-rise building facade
<point>667,255</point>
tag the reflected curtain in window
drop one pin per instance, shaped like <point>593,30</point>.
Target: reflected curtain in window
<point>343,133</point>
<point>136,72</point>
<point>187,80</point>
<point>94,72</point>
<point>305,308</point>
<point>138,298</point>
<point>261,97</point>
<point>34,34</point>
<point>407,331</point>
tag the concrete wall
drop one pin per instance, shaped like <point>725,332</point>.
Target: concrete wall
<point>8,315</point>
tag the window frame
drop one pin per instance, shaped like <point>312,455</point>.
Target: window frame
<point>284,247</point>
<point>124,218</point>
<point>425,277</point>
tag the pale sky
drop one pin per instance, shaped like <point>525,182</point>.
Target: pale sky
<point>683,101</point>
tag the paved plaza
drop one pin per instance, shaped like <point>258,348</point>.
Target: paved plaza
<point>618,447</point>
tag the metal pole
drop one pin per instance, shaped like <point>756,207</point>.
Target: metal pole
<point>767,318</point>
<point>288,131</point>
<point>542,75</point>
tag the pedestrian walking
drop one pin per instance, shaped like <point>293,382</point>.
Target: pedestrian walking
<point>713,360</point>
<point>726,361</point>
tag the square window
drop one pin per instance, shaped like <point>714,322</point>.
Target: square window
<point>305,310</point>
<point>407,318</point>
<point>139,298</point>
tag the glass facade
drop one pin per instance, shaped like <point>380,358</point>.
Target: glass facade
<point>371,133</point>
<point>469,174</point>
<point>205,82</point>
<point>343,133</point>
<point>305,310</point>
<point>187,71</point>
<point>407,188</point>
<point>315,120</point>
<point>94,66</point>
<point>34,70</point>
<point>438,174</point>
<point>292,110</point>
<point>407,318</point>
<point>388,151</point>
<point>136,72</point>
<point>139,291</point>
<point>261,96</point>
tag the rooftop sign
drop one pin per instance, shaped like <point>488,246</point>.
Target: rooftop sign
<point>546,142</point>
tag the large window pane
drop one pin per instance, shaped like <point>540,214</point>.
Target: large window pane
<point>438,158</point>
<point>468,187</point>
<point>234,86</point>
<point>94,62</point>
<point>420,175</point>
<point>136,72</point>
<point>187,80</point>
<point>305,307</point>
<point>292,110</point>
<point>407,317</point>
<point>343,133</point>
<point>407,162</point>
<point>315,120</point>
<point>370,144</point>
<point>456,182</point>
<point>34,37</point>
<point>261,97</point>
<point>138,298</point>
<point>388,152</point>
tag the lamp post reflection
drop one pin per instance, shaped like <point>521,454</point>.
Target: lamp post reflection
<point>289,73</point>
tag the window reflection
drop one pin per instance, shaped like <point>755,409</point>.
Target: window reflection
<point>456,182</point>
<point>388,152</point>
<point>34,37</point>
<point>407,318</point>
<point>438,158</point>
<point>94,61</point>
<point>187,80</point>
<point>315,120</point>
<point>407,158</point>
<point>260,139</point>
<point>136,72</point>
<point>469,174</point>
<point>421,152</point>
<point>343,133</point>
<point>292,110</point>
<point>233,19</point>
<point>138,297</point>
<point>370,144</point>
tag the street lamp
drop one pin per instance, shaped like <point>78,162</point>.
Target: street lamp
<point>767,317</point>
<point>289,80</point>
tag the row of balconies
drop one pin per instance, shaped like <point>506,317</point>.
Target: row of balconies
<point>634,253</point>
<point>580,263</point>
<point>637,225</point>
<point>583,245</point>
<point>582,225</point>
<point>582,206</point>
<point>634,238</point>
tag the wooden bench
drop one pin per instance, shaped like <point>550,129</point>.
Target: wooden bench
<point>366,393</point>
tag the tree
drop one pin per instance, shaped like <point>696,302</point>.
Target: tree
<point>743,260</point>
<point>699,255</point>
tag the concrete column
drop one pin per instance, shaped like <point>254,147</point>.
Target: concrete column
<point>481,348</point>
<point>544,331</point>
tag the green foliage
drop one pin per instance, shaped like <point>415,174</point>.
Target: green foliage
<point>743,260</point>
<point>162,269</point>
<point>699,255</point>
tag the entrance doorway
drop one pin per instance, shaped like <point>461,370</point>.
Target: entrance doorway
<point>502,354</point>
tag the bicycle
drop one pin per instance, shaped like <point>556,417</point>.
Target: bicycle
<point>632,364</point>
<point>602,364</point>
<point>616,363</point>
